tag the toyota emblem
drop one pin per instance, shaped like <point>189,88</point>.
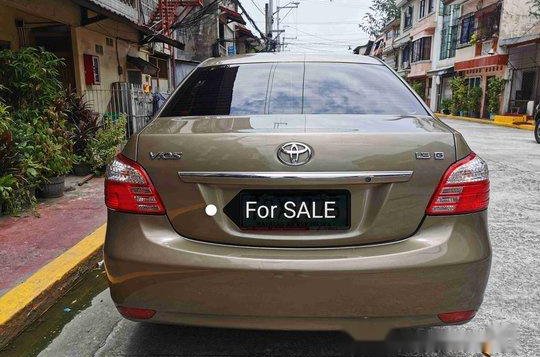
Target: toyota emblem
<point>294,154</point>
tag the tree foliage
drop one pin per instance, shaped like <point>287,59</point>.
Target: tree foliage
<point>535,8</point>
<point>380,13</point>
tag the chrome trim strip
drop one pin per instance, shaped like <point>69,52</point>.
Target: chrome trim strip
<point>297,178</point>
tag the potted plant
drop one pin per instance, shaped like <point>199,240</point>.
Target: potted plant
<point>494,90</point>
<point>459,95</point>
<point>58,151</point>
<point>446,104</point>
<point>84,124</point>
<point>474,38</point>
<point>474,96</point>
<point>40,151</point>
<point>104,146</point>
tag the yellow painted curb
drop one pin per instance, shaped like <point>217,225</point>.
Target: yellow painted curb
<point>19,302</point>
<point>528,127</point>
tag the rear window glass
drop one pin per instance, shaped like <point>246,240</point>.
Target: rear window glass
<point>293,88</point>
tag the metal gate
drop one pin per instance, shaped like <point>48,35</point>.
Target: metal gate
<point>125,99</point>
<point>135,103</point>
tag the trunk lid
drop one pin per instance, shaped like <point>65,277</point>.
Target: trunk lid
<point>372,157</point>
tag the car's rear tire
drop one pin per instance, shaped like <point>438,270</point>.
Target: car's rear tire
<point>537,130</point>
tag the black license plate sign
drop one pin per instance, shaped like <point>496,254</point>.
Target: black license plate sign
<point>290,209</point>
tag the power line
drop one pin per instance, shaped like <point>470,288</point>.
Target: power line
<point>257,6</point>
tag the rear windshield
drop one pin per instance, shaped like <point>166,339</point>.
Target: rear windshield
<point>293,88</point>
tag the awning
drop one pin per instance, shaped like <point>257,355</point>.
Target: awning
<point>486,61</point>
<point>441,71</point>
<point>231,15</point>
<point>241,31</point>
<point>145,66</point>
<point>424,33</point>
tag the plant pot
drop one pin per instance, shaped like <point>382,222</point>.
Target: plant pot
<point>82,169</point>
<point>446,111</point>
<point>53,188</point>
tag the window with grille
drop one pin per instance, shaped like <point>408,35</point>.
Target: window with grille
<point>430,6</point>
<point>467,28</point>
<point>406,55</point>
<point>449,33</point>
<point>421,49</point>
<point>422,11</point>
<point>488,23</point>
<point>408,17</point>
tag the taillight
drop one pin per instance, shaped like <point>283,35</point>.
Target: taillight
<point>128,188</point>
<point>464,188</point>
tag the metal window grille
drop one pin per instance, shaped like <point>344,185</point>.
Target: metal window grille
<point>125,99</point>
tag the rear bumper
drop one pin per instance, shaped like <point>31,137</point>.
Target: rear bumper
<point>365,291</point>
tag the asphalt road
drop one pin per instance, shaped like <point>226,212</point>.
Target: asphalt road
<point>512,296</point>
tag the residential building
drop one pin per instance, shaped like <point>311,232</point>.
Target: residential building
<point>364,49</point>
<point>116,52</point>
<point>390,53</point>
<point>123,53</point>
<point>217,30</point>
<point>519,38</point>
<point>418,21</point>
<point>444,52</point>
<point>478,56</point>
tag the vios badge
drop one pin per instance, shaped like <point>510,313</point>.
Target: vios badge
<point>165,155</point>
<point>294,154</point>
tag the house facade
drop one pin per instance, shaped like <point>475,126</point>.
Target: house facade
<point>434,41</point>
<point>123,53</point>
<point>519,38</point>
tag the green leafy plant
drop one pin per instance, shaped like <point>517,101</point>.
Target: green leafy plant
<point>418,87</point>
<point>36,143</point>
<point>459,95</point>
<point>446,105</point>
<point>474,38</point>
<point>380,13</point>
<point>29,77</point>
<point>535,8</point>
<point>105,145</point>
<point>474,96</point>
<point>17,170</point>
<point>494,90</point>
<point>84,123</point>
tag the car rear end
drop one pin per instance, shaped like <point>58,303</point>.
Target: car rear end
<point>297,194</point>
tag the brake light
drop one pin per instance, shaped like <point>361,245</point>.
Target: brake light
<point>464,188</point>
<point>128,188</point>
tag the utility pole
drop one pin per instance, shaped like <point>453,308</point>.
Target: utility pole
<point>291,5</point>
<point>273,42</point>
<point>269,21</point>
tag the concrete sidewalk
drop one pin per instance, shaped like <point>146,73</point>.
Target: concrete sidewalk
<point>523,125</point>
<point>41,256</point>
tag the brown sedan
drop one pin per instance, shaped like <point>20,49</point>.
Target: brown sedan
<point>297,192</point>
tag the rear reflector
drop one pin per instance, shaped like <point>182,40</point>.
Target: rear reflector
<point>464,188</point>
<point>128,188</point>
<point>456,316</point>
<point>136,313</point>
